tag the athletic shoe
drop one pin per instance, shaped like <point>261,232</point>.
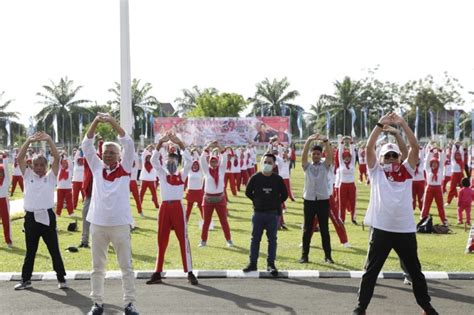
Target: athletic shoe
<point>250,267</point>
<point>10,245</point>
<point>354,222</point>
<point>272,269</point>
<point>23,285</point>
<point>303,260</point>
<point>142,215</point>
<point>202,244</point>
<point>358,311</point>
<point>192,278</point>
<point>130,310</point>
<point>429,311</point>
<point>155,278</point>
<point>230,243</point>
<point>63,285</point>
<point>283,227</point>
<point>96,309</point>
<point>346,245</point>
<point>406,281</point>
<point>328,260</point>
<point>83,245</point>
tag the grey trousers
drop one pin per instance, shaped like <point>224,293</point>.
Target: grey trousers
<point>85,224</point>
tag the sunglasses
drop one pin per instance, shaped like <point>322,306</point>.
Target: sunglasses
<point>391,155</point>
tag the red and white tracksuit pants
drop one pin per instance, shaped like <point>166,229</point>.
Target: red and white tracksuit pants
<point>134,190</point>
<point>221,210</point>
<point>288,188</point>
<point>346,200</point>
<point>5,215</point>
<point>17,179</point>
<point>192,196</point>
<point>151,185</point>
<point>64,195</point>
<point>453,184</point>
<point>336,221</point>
<point>76,189</point>
<point>418,189</point>
<point>436,193</point>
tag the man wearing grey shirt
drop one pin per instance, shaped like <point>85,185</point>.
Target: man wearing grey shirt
<point>316,194</point>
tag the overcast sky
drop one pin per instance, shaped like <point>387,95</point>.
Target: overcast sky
<point>229,45</point>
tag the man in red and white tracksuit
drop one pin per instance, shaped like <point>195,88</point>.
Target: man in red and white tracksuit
<point>362,164</point>
<point>418,185</point>
<point>214,197</point>
<point>4,202</point>
<point>434,164</point>
<point>17,176</point>
<point>235,168</point>
<point>195,186</point>
<point>148,177</point>
<point>172,215</point>
<point>64,191</point>
<point>134,185</point>
<point>457,167</point>
<point>77,177</point>
<point>347,190</point>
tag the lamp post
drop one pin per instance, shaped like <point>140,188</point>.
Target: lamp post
<point>126,119</point>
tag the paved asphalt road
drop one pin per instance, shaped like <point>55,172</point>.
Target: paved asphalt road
<point>239,296</point>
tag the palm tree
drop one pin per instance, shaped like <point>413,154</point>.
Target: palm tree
<point>187,102</point>
<point>270,96</point>
<point>316,115</point>
<point>142,103</point>
<point>347,94</point>
<point>59,99</point>
<point>4,115</point>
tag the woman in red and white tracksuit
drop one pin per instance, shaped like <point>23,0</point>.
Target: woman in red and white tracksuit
<point>457,166</point>
<point>229,176</point>
<point>235,168</point>
<point>362,164</point>
<point>64,191</point>
<point>418,185</point>
<point>195,186</point>
<point>172,215</point>
<point>214,197</point>
<point>77,177</point>
<point>434,164</point>
<point>244,175</point>
<point>4,202</point>
<point>134,185</point>
<point>347,190</point>
<point>17,176</point>
<point>447,169</point>
<point>148,177</point>
<point>283,164</point>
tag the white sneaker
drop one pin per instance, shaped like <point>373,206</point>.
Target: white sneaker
<point>142,215</point>
<point>10,245</point>
<point>301,245</point>
<point>73,216</point>
<point>446,204</point>
<point>346,245</point>
<point>63,285</point>
<point>284,210</point>
<point>230,243</point>
<point>23,285</point>
<point>406,281</point>
<point>202,244</point>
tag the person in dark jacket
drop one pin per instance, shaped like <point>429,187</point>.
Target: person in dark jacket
<point>267,191</point>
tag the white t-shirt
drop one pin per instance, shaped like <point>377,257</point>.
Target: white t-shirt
<point>6,180</point>
<point>209,184</point>
<point>144,174</point>
<point>66,183</point>
<point>39,191</point>
<point>195,178</point>
<point>391,204</point>
<point>78,170</point>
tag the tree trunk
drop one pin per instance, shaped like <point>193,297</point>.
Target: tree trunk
<point>344,129</point>
<point>62,123</point>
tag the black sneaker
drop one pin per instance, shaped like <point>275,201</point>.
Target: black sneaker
<point>358,311</point>
<point>303,260</point>
<point>328,260</point>
<point>23,285</point>
<point>192,278</point>
<point>155,278</point>
<point>83,245</point>
<point>284,227</point>
<point>96,309</point>
<point>250,267</point>
<point>429,310</point>
<point>354,222</point>
<point>130,310</point>
<point>272,269</point>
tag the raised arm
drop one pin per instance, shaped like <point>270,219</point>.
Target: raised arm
<point>401,144</point>
<point>371,142</point>
<point>414,147</point>
<point>306,147</point>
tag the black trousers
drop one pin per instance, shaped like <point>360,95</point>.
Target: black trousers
<point>311,209</point>
<point>380,245</point>
<point>33,232</point>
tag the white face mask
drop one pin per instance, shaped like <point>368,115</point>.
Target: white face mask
<point>267,168</point>
<point>391,167</point>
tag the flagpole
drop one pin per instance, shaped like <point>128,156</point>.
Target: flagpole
<point>126,118</point>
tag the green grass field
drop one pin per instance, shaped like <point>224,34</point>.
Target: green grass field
<point>436,252</point>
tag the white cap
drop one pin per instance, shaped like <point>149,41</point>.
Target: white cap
<point>389,147</point>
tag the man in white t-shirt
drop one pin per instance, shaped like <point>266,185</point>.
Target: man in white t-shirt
<point>390,214</point>
<point>109,212</point>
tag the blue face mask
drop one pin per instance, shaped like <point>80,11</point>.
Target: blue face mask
<point>267,168</point>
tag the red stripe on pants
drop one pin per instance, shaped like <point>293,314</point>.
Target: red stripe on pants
<point>194,195</point>
<point>346,198</point>
<point>433,192</point>
<point>76,188</point>
<point>455,181</point>
<point>17,179</point>
<point>151,185</point>
<point>134,190</point>
<point>64,195</point>
<point>221,210</point>
<point>5,215</point>
<point>418,188</point>
<point>171,216</point>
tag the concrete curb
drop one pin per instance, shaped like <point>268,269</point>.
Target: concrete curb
<point>219,274</point>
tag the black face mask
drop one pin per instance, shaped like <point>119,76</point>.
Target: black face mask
<point>171,167</point>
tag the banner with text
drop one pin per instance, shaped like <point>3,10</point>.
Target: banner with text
<point>228,131</point>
